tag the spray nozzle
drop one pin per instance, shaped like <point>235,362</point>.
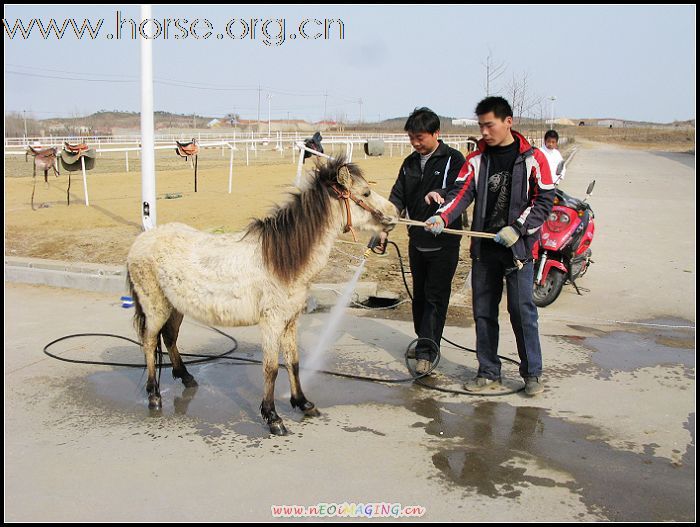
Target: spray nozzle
<point>376,245</point>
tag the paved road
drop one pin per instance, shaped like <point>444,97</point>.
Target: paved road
<point>613,438</point>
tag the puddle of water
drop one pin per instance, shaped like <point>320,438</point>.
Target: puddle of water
<point>625,485</point>
<point>659,342</point>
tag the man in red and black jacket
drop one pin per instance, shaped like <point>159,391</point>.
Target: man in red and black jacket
<point>512,187</point>
<point>429,171</point>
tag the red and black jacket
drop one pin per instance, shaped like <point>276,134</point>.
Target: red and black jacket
<point>531,196</point>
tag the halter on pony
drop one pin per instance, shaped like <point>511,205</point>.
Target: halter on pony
<point>344,194</point>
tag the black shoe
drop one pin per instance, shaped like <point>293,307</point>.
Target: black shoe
<point>533,386</point>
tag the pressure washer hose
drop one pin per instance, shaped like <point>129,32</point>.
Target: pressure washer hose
<point>199,359</point>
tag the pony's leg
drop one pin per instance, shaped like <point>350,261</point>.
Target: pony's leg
<point>170,333</point>
<point>46,176</point>
<point>270,344</point>
<point>150,343</point>
<point>291,359</point>
<point>152,312</point>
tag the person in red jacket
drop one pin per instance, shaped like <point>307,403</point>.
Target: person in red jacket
<point>511,185</point>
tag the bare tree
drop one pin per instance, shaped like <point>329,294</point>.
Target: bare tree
<point>494,70</point>
<point>524,103</point>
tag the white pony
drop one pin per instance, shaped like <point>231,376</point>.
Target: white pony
<point>261,276</point>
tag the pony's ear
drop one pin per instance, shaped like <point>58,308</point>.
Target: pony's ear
<point>344,177</point>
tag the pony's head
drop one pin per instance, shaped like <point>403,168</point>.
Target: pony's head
<point>361,207</point>
<point>337,197</point>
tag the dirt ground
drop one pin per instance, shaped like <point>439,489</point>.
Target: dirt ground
<point>104,231</point>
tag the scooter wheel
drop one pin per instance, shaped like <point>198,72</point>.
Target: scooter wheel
<point>548,292</point>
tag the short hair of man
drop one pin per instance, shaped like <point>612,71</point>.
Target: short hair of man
<point>498,105</point>
<point>551,134</point>
<point>422,120</point>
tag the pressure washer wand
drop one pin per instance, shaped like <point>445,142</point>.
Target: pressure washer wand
<point>473,234</point>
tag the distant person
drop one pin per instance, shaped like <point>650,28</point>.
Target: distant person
<point>554,157</point>
<point>421,186</point>
<point>512,189</point>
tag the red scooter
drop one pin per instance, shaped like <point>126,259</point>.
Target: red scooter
<point>563,251</point>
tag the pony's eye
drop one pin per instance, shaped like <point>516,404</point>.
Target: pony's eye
<point>366,194</point>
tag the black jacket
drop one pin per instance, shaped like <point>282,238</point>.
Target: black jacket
<point>411,187</point>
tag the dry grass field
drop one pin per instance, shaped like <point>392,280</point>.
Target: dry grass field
<point>104,231</point>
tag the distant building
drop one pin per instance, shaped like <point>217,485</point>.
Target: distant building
<point>465,122</point>
<point>57,128</point>
<point>611,123</point>
<point>213,123</point>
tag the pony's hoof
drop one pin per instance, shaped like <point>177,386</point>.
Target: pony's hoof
<point>278,428</point>
<point>190,382</point>
<point>310,410</point>
<point>154,402</point>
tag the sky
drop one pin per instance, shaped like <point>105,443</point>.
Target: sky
<point>627,62</point>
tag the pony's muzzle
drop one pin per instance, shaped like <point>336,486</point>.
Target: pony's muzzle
<point>389,222</point>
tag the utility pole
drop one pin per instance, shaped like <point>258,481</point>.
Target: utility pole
<point>325,104</point>
<point>259,90</point>
<point>25,125</point>
<point>269,102</point>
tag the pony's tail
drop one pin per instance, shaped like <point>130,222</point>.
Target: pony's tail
<point>139,316</point>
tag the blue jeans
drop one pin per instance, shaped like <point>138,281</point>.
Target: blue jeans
<point>488,271</point>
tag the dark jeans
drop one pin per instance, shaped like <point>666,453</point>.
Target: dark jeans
<point>488,270</point>
<point>432,274</point>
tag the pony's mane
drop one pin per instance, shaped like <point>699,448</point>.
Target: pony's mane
<point>290,232</point>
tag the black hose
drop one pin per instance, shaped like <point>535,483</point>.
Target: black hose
<point>199,359</point>
<point>437,348</point>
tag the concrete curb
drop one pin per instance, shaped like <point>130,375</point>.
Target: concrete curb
<point>73,275</point>
<point>103,278</point>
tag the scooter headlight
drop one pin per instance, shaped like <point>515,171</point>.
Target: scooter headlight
<point>558,221</point>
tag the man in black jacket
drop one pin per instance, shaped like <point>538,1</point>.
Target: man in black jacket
<point>423,180</point>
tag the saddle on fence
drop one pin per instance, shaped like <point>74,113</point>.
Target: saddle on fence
<point>75,149</point>
<point>187,149</point>
<point>71,155</point>
<point>43,153</point>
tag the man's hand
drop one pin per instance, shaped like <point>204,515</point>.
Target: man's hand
<point>507,236</point>
<point>434,196</point>
<point>435,224</point>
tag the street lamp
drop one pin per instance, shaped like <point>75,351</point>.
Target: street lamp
<point>552,98</point>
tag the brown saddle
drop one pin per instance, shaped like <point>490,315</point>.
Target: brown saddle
<point>187,149</point>
<point>43,152</point>
<point>76,149</point>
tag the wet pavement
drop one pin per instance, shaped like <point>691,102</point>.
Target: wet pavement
<point>448,453</point>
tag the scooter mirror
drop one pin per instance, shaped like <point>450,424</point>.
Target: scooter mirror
<point>590,188</point>
<point>560,167</point>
